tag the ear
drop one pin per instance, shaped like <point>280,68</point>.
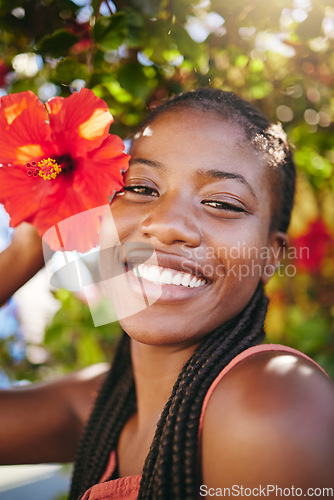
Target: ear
<point>277,246</point>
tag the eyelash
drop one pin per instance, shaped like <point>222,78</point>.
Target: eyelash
<point>223,205</point>
<point>143,190</point>
<point>139,190</point>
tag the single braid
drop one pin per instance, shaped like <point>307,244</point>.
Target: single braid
<point>171,468</point>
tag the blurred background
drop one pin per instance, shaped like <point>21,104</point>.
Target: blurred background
<point>278,54</point>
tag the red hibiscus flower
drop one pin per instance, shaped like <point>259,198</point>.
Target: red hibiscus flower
<point>312,247</point>
<point>58,160</point>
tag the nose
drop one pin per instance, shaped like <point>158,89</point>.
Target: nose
<point>172,221</point>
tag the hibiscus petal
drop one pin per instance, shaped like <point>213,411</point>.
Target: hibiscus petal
<point>28,152</point>
<point>79,232</point>
<point>101,173</point>
<point>59,204</point>
<point>70,232</point>
<point>35,200</point>
<point>79,123</point>
<point>23,128</point>
<point>94,127</point>
<point>21,195</point>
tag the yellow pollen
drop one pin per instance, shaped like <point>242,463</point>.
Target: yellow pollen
<point>49,169</point>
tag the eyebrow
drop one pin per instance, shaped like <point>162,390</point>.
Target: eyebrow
<point>150,163</point>
<point>209,174</point>
<point>219,174</point>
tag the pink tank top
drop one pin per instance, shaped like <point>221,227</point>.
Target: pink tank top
<point>127,488</point>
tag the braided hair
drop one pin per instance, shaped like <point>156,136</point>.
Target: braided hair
<point>171,467</point>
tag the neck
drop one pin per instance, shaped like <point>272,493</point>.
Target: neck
<point>156,369</point>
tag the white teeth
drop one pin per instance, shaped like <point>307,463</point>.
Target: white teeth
<point>186,280</point>
<point>176,280</point>
<point>161,276</point>
<point>199,283</point>
<point>193,282</point>
<point>153,274</point>
<point>166,277</point>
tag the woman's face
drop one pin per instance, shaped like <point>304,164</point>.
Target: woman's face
<point>198,194</point>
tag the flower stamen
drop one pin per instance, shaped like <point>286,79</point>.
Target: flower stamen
<point>47,168</point>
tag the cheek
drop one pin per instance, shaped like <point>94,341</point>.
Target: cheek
<point>118,224</point>
<point>241,255</point>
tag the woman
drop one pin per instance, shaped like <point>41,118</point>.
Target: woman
<point>187,410</point>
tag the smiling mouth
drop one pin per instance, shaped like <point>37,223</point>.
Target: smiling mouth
<point>166,276</point>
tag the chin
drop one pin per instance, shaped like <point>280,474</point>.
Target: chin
<point>150,335</point>
<point>152,328</point>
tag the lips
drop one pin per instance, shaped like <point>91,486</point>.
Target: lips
<point>166,261</point>
<point>136,275</point>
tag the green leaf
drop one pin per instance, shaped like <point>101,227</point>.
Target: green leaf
<point>110,32</point>
<point>186,45</point>
<point>133,79</point>
<point>118,92</point>
<point>68,70</point>
<point>56,44</point>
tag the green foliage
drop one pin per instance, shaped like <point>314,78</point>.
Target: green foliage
<point>71,342</point>
<point>307,334</point>
<point>132,78</point>
<point>277,56</point>
<point>110,32</point>
<point>72,336</point>
<point>68,70</point>
<point>57,44</point>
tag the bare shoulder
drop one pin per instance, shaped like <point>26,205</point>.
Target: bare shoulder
<point>270,421</point>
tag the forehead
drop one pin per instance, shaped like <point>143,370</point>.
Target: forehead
<point>199,139</point>
<point>190,124</point>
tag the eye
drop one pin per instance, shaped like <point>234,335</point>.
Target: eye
<point>223,205</point>
<point>141,190</point>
